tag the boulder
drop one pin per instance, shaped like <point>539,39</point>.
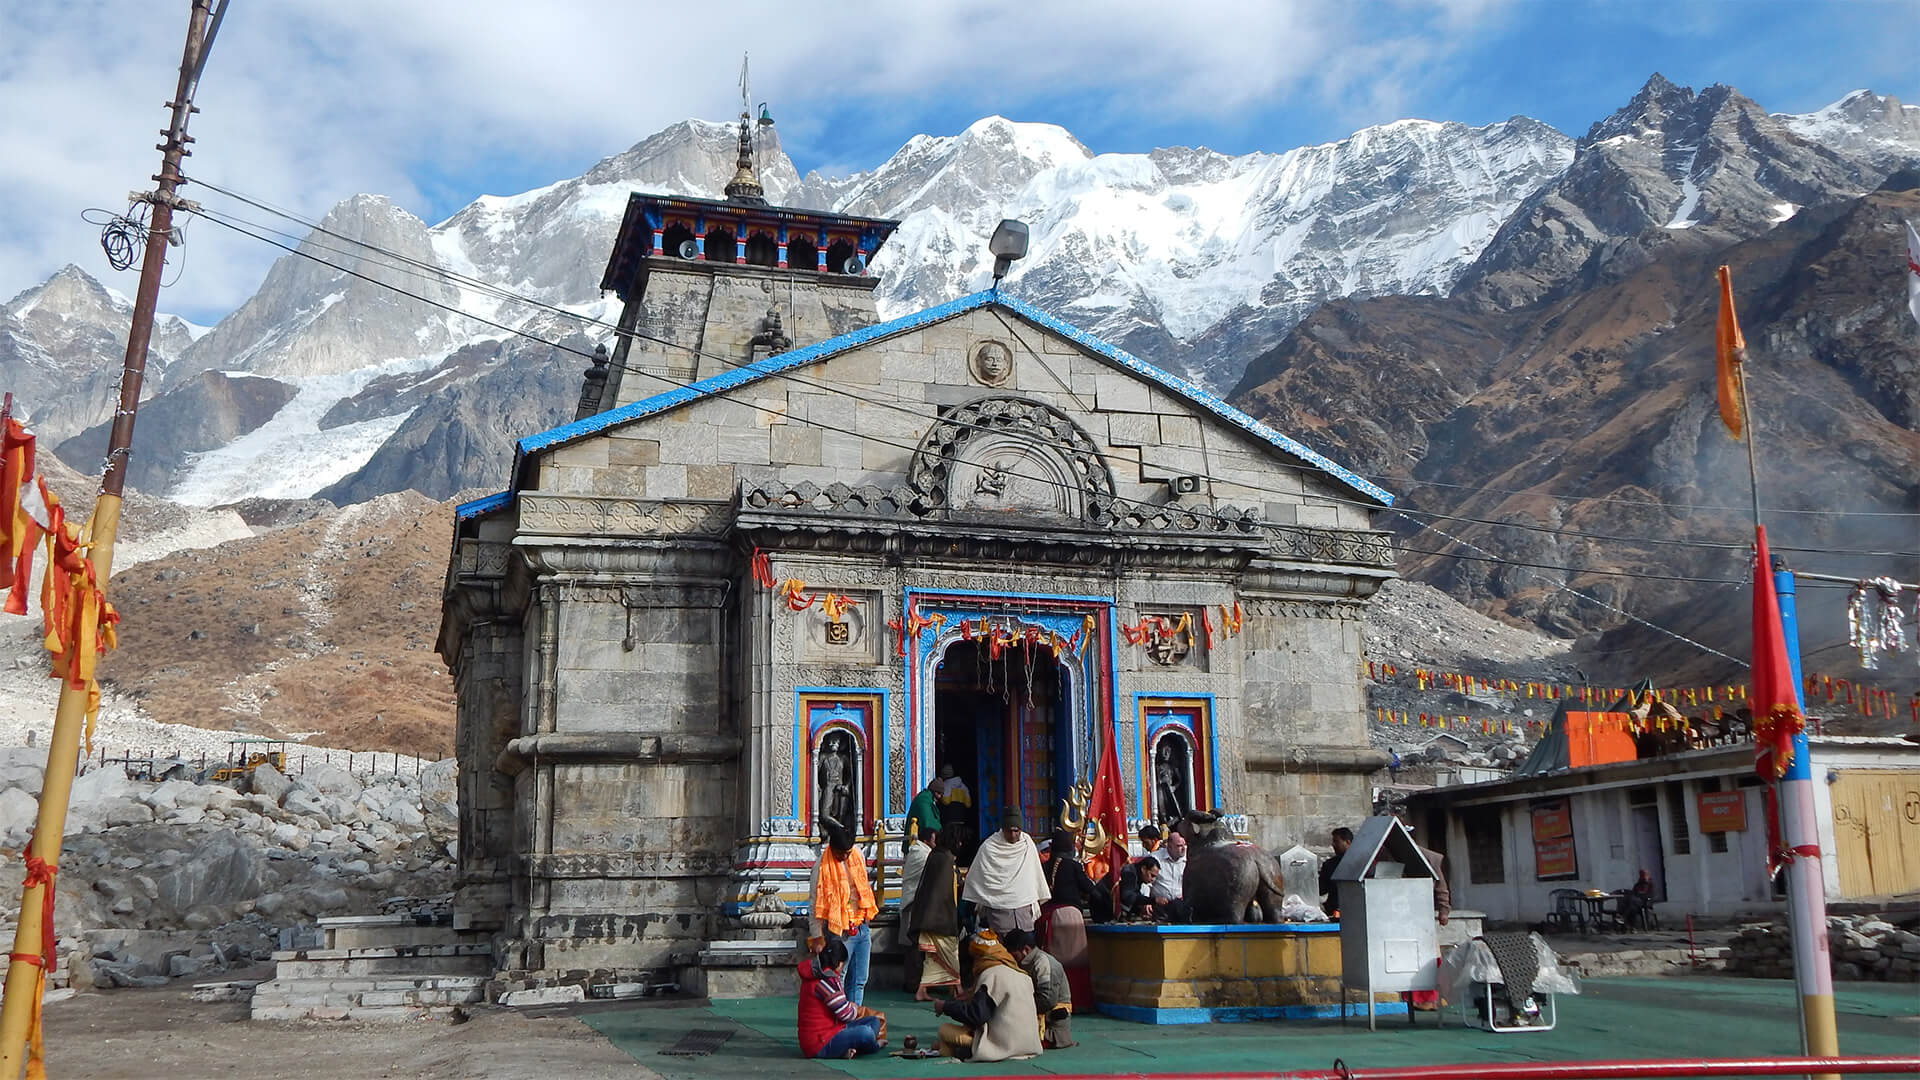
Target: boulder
<point>19,809</point>
<point>329,779</point>
<point>440,794</point>
<point>225,868</point>
<point>270,904</point>
<point>124,812</point>
<point>321,898</point>
<point>308,803</point>
<point>403,815</point>
<point>268,781</point>
<point>23,768</point>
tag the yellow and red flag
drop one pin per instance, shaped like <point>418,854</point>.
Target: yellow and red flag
<point>19,535</point>
<point>1729,352</point>
<point>1775,706</point>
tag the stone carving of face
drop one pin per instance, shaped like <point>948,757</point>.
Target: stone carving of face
<point>992,363</point>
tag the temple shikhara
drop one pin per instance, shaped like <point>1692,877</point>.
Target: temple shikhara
<point>791,560</point>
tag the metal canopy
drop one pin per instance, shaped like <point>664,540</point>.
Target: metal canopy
<point>1378,837</point>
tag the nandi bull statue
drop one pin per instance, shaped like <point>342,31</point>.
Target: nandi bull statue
<point>1226,878</point>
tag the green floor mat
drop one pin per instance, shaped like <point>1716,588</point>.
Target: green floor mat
<point>1613,1018</point>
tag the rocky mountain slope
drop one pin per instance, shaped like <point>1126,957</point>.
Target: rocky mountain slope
<point>61,346</point>
<point>1567,386</point>
<point>324,627</point>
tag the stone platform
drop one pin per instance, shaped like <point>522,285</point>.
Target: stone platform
<point>376,967</point>
<point>1174,973</point>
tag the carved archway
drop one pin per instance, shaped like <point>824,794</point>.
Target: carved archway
<point>1006,454</point>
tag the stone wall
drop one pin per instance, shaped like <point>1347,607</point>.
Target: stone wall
<point>717,310</point>
<point>1862,947</point>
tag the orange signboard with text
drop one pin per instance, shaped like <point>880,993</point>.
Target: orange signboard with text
<point>1723,811</point>
<point>1598,738</point>
<point>1553,852</point>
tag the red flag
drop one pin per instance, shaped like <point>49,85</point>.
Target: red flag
<point>1109,806</point>
<point>1776,711</point>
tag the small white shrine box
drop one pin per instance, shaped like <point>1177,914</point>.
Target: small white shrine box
<point>1388,936</point>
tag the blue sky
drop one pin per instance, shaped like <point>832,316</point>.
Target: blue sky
<point>434,102</point>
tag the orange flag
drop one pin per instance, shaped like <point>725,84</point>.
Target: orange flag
<point>1729,351</point>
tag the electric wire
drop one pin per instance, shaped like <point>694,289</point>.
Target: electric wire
<point>1654,503</point>
<point>422,268</point>
<point>1484,555</point>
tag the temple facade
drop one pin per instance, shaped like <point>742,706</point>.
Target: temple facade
<point>791,559</point>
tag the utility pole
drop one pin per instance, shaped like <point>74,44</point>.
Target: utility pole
<point>32,954</point>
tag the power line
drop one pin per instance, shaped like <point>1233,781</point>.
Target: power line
<point>1660,504</point>
<point>430,270</point>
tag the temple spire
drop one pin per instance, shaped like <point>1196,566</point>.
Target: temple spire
<point>745,185</point>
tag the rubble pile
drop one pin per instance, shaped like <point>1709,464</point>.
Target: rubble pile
<point>1863,947</point>
<point>182,878</point>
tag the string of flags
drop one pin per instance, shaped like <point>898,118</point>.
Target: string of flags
<point>793,592</point>
<point>1867,700</point>
<point>1152,629</point>
<point>78,623</point>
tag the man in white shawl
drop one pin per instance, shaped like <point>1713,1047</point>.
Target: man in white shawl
<point>1006,882</point>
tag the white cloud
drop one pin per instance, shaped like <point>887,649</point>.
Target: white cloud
<point>308,101</point>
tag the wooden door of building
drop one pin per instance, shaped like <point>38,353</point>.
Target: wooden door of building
<point>1876,830</point>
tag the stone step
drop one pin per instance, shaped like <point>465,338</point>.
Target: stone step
<point>364,999</point>
<point>376,967</point>
<point>398,961</point>
<point>388,931</point>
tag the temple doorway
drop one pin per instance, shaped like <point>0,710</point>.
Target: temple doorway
<point>1003,723</point>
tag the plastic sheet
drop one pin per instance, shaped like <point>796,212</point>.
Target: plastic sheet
<point>1300,909</point>
<point>1473,962</point>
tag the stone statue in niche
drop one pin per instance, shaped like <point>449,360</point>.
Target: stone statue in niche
<point>1171,778</point>
<point>835,777</point>
<point>1166,646</point>
<point>992,363</point>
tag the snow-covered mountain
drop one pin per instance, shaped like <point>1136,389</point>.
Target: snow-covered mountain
<point>61,347</point>
<point>1195,259</point>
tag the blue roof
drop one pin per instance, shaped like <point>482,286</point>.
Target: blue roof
<point>482,506</point>
<point>787,361</point>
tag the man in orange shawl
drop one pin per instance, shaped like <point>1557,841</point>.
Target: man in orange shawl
<point>842,904</point>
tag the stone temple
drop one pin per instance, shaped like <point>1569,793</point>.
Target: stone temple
<point>791,559</point>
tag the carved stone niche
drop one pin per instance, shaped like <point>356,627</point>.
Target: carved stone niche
<point>1006,454</point>
<point>856,637</point>
<point>1168,646</point>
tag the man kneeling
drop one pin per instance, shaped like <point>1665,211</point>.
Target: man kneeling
<point>1052,995</point>
<point>998,1021</point>
<point>831,1026</point>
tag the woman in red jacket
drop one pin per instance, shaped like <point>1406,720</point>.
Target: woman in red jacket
<point>831,1026</point>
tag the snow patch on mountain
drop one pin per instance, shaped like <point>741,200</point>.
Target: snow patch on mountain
<point>291,456</point>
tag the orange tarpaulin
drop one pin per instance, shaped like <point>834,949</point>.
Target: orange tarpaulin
<point>1598,738</point>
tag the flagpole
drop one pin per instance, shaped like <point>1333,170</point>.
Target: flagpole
<point>1799,825</point>
<point>32,958</point>
<point>1806,885</point>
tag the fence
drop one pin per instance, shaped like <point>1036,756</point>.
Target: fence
<point>154,762</point>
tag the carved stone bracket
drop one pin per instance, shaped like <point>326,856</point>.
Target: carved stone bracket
<point>1305,609</point>
<point>625,864</point>
<point>620,747</point>
<point>580,515</point>
<point>1265,757</point>
<point>1355,547</point>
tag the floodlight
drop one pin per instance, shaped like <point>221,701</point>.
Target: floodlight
<point>1009,242</point>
